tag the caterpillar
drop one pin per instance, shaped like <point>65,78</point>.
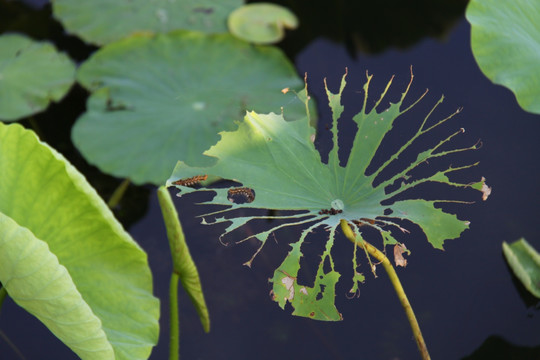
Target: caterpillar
<point>246,192</point>
<point>191,181</point>
<point>330,212</point>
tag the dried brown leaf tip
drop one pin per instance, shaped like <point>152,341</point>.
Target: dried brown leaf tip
<point>194,180</point>
<point>486,190</point>
<point>399,249</point>
<point>243,192</point>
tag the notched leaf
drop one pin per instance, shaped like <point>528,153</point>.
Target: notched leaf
<point>278,160</point>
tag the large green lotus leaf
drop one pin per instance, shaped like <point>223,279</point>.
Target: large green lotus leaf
<point>505,39</point>
<point>160,98</point>
<point>279,168</point>
<point>32,74</point>
<point>261,23</point>
<point>41,192</point>
<point>104,21</point>
<point>524,261</point>
<point>37,282</point>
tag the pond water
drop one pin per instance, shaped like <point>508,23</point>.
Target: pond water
<point>466,300</point>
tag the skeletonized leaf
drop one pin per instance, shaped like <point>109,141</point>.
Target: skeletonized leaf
<point>279,168</point>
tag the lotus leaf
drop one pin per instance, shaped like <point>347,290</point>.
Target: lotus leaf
<point>277,166</point>
<point>61,228</point>
<point>103,21</point>
<point>505,39</point>
<point>37,282</point>
<point>160,98</point>
<point>524,261</point>
<point>32,74</point>
<point>261,23</point>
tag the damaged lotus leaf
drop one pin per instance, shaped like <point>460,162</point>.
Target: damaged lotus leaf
<point>279,168</point>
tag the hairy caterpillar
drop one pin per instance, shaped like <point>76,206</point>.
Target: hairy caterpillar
<point>246,192</point>
<point>191,181</point>
<point>330,212</point>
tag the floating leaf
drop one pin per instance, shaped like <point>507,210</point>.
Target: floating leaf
<point>103,21</point>
<point>32,74</point>
<point>261,23</point>
<point>505,39</point>
<point>42,193</point>
<point>278,161</point>
<point>157,99</point>
<point>524,261</point>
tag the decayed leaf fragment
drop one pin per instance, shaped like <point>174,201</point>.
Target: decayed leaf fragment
<point>289,282</point>
<point>486,190</point>
<point>399,249</point>
<point>278,160</point>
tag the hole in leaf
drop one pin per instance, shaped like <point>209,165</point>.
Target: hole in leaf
<point>312,249</point>
<point>327,266</point>
<point>320,294</point>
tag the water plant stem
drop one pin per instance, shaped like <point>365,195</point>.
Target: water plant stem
<point>381,257</point>
<point>174,322</point>
<point>184,270</point>
<point>118,193</point>
<point>13,347</point>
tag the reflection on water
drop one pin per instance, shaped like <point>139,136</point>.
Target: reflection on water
<point>496,347</point>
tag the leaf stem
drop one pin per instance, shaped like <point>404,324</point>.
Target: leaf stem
<point>380,256</point>
<point>183,264</point>
<point>118,193</point>
<point>174,322</point>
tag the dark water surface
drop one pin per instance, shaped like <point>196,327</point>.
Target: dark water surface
<point>464,297</point>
